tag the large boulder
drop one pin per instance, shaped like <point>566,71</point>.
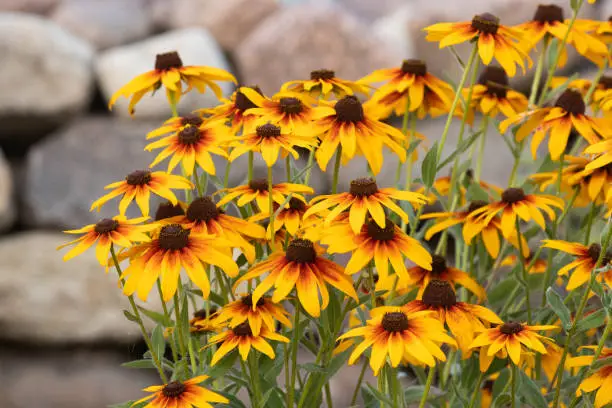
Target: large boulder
<point>45,76</point>
<point>28,6</point>
<point>7,197</point>
<point>368,10</point>
<point>196,46</point>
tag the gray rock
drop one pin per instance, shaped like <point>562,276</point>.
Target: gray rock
<point>105,23</point>
<point>7,198</point>
<point>45,76</point>
<point>196,46</point>
<point>44,299</point>
<point>315,36</point>
<point>28,6</point>
<point>369,10</point>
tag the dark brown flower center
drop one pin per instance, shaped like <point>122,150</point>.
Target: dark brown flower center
<point>414,66</point>
<point>138,178</point>
<point>474,205</point>
<point>496,81</point>
<point>201,314</point>
<point>513,195</point>
<point>606,82</point>
<point>571,101</point>
<point>291,105</point>
<point>301,251</point>
<point>395,322</point>
<point>173,237</point>
<point>106,225</point>
<point>242,102</point>
<point>486,23</point>
<point>259,185</point>
<point>439,293</point>
<point>594,253</point>
<point>349,109</point>
<point>243,329</point>
<point>297,205</point>
<point>202,209</point>
<point>192,119</point>
<point>168,60</point>
<point>511,328</point>
<point>324,74</point>
<point>381,234</point>
<point>189,135</point>
<point>248,300</point>
<point>363,187</point>
<point>168,210</point>
<point>548,13</point>
<point>173,389</point>
<point>488,385</point>
<point>268,130</point>
<point>438,265</point>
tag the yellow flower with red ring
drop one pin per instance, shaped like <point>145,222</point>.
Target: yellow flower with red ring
<point>257,190</point>
<point>539,265</point>
<point>258,314</point>
<point>242,338</point>
<point>600,380</point>
<point>235,109</point>
<point>177,394</point>
<point>324,83</point>
<point>205,322</point>
<point>603,150</point>
<point>291,216</point>
<point>175,124</point>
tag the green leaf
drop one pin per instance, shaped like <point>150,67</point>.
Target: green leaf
<point>413,393</point>
<point>378,395</point>
<point>144,363</point>
<point>429,166</point>
<point>501,291</point>
<point>156,317</point>
<point>313,368</point>
<point>460,149</point>
<point>266,396</point>
<point>556,303</point>
<point>476,193</point>
<point>130,316</point>
<point>603,362</point>
<point>531,391</point>
<point>157,341</point>
<point>502,400</point>
<point>596,319</point>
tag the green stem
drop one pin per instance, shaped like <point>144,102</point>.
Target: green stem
<point>309,166</point>
<point>271,207</point>
<point>228,167</point>
<point>405,119</point>
<point>250,167</point>
<point>287,373</point>
<point>592,212</point>
<point>194,364</point>
<point>408,181</point>
<point>476,391</point>
<point>589,94</point>
<point>254,369</point>
<point>294,351</point>
<point>178,326</point>
<point>167,317</point>
<point>535,85</point>
<point>513,379</point>
<point>430,377</point>
<point>288,168</point>
<point>336,170</point>
<point>173,104</point>
<point>364,366</point>
<point>523,270</point>
<point>481,147</point>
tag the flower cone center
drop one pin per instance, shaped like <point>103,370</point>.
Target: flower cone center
<point>439,293</point>
<point>488,385</point>
<point>363,187</point>
<point>296,204</point>
<point>259,185</point>
<point>268,130</point>
<point>248,300</point>
<point>395,322</point>
<point>301,251</point>
<point>606,82</point>
<point>106,225</point>
<point>291,105</point>
<point>571,101</point>
<point>474,205</point>
<point>167,61</point>
<point>173,237</point>
<point>548,13</point>
<point>191,119</point>
<point>324,74</point>
<point>349,109</point>
<point>438,264</point>
<point>414,66</point>
<point>168,210</point>
<point>513,195</point>
<point>486,23</point>
<point>594,252</point>
<point>511,328</point>
<point>138,178</point>
<point>201,314</point>
<point>381,234</point>
<point>242,102</point>
<point>189,135</point>
<point>202,209</point>
<point>496,81</point>
<point>173,389</point>
<point>243,329</point>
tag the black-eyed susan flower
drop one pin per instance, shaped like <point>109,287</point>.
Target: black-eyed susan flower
<point>494,40</point>
<point>257,190</point>
<point>270,140</point>
<point>173,249</point>
<point>600,380</point>
<point>440,271</point>
<point>583,85</point>
<point>168,210</point>
<point>234,109</point>
<point>364,197</point>
<point>511,337</point>
<point>355,128</point>
<point>426,93</point>
<point>539,265</point>
<point>373,243</point>
<point>193,144</point>
<point>170,72</point>
<point>302,267</point>
<point>138,186</point>
<point>291,216</point>
<point>463,319</point>
<point>603,150</point>
<point>205,322</point>
<point>515,203</point>
<point>118,231</point>
<point>175,124</point>
<point>394,333</point>
<point>557,122</point>
<point>586,258</point>
<point>442,186</point>
<point>242,338</point>
<point>486,393</point>
<point>179,394</point>
<point>258,314</point>
<point>324,83</point>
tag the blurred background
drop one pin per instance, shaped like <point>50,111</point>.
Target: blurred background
<point>62,332</point>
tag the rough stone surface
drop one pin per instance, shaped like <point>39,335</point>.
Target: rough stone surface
<point>45,77</point>
<point>116,66</point>
<point>44,299</point>
<point>28,6</point>
<point>294,41</point>
<point>105,23</point>
<point>229,21</point>
<point>368,10</point>
<point>7,199</point>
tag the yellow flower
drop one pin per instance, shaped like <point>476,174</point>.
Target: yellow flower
<point>291,216</point>
<point>258,190</point>
<point>179,394</point>
<point>170,72</point>
<point>539,265</point>
<point>604,150</point>
<point>205,322</point>
<point>601,380</point>
<point>324,83</point>
<point>138,185</point>
<point>168,210</point>
<point>175,124</point>
<point>493,39</point>
<point>257,314</point>
<point>235,109</point>
<point>242,338</point>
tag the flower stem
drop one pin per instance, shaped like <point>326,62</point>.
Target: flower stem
<point>250,168</point>
<point>430,376</point>
<point>336,170</point>
<point>309,166</point>
<point>408,181</point>
<point>254,369</point>
<point>523,269</point>
<point>177,324</point>
<point>481,148</point>
<point>288,168</point>
<point>595,81</point>
<point>592,212</point>
<point>537,76</point>
<point>476,390</point>
<point>228,167</point>
<point>364,366</point>
<point>513,379</point>
<point>167,317</point>
<point>294,350</point>
<point>405,119</point>
<point>271,207</point>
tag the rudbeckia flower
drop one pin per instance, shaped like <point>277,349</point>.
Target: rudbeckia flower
<point>494,40</point>
<point>205,322</point>
<point>442,185</point>
<point>234,109</point>
<point>567,114</point>
<point>302,267</point>
<point>426,93</point>
<point>179,394</point>
<point>600,380</point>
<point>364,197</point>
<point>440,271</point>
<point>170,72</point>
<point>586,258</point>
<point>242,338</point>
<point>324,83</point>
<point>582,85</point>
<point>168,210</point>
<point>257,314</point>
<point>173,249</point>
<point>258,190</point>
<point>291,216</point>
<point>394,333</point>
<point>463,319</point>
<point>539,265</point>
<point>383,245</point>
<point>604,150</point>
<point>515,203</point>
<point>270,140</point>
<point>175,124</point>
<point>511,337</point>
<point>138,186</point>
<point>355,129</point>
<point>118,231</point>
